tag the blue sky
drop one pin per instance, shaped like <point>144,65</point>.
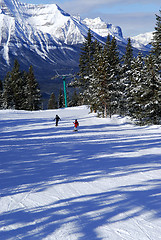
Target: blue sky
<point>134,17</point>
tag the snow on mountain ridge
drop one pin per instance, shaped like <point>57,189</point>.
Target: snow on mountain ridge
<point>50,21</point>
<point>57,23</point>
<point>11,7</point>
<point>33,21</point>
<point>20,31</point>
<point>43,36</point>
<point>103,29</point>
<point>9,26</point>
<point>144,38</point>
<point>46,36</point>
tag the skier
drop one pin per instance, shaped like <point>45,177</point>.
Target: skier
<point>57,118</point>
<point>76,124</point>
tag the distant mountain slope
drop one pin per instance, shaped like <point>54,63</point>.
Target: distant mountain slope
<point>42,35</point>
<point>139,42</point>
<point>144,38</point>
<point>103,29</point>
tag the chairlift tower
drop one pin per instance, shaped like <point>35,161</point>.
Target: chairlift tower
<point>64,85</point>
<point>65,92</point>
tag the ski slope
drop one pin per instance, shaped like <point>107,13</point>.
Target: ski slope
<point>102,182</point>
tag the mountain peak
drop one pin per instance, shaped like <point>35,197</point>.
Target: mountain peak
<point>102,28</point>
<point>40,34</point>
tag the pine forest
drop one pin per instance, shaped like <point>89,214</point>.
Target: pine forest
<point>127,85</point>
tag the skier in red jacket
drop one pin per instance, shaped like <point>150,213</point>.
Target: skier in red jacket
<point>76,124</point>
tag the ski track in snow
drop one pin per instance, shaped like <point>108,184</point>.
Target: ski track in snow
<point>102,182</point>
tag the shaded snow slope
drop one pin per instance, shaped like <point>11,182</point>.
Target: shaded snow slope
<point>102,182</point>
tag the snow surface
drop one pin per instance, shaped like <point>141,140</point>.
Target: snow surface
<point>103,29</point>
<point>144,38</point>
<point>102,182</point>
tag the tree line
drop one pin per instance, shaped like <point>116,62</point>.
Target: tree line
<point>128,86</point>
<point>56,102</point>
<point>20,90</point>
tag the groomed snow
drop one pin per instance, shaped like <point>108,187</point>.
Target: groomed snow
<point>102,182</point>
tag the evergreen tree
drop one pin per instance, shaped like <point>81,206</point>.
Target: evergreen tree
<point>145,92</point>
<point>17,86</point>
<point>74,99</point>
<point>33,92</point>
<point>114,79</point>
<point>52,104</point>
<point>128,56</point>
<point>151,93</point>
<point>86,57</point>
<point>21,90</point>
<point>13,93</point>
<point>60,99</point>
<point>94,91</point>
<point>1,94</point>
<point>126,76</point>
<point>98,88</point>
<point>137,75</point>
<point>107,83</point>
<point>105,78</point>
<point>156,43</point>
<point>8,98</point>
<point>144,99</point>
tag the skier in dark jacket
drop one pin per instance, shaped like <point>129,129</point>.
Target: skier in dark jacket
<point>76,124</point>
<point>57,118</point>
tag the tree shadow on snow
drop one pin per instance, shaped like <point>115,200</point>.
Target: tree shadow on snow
<point>86,213</point>
<point>34,159</point>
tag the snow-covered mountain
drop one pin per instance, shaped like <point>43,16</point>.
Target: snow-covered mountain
<point>103,29</point>
<point>46,37</point>
<point>140,42</point>
<point>39,28</point>
<point>144,38</point>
